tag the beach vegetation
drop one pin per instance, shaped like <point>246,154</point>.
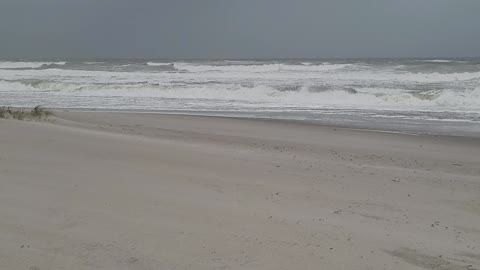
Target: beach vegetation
<point>36,114</point>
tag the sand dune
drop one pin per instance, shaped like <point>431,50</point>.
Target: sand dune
<point>145,191</point>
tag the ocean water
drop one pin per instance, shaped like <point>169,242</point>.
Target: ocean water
<point>436,96</point>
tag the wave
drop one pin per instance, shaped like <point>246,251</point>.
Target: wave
<point>188,72</point>
<point>51,66</point>
<point>154,64</point>
<point>25,65</point>
<point>161,66</point>
<point>259,68</point>
<point>30,86</point>
<point>308,96</point>
<point>437,61</point>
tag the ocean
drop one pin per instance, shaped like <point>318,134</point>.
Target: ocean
<point>427,96</point>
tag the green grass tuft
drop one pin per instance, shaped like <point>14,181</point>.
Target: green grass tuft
<point>36,114</point>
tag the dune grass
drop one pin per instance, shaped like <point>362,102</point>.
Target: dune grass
<point>36,114</point>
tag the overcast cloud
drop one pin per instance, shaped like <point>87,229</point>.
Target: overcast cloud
<point>239,28</point>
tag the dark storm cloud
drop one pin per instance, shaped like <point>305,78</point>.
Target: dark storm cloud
<point>239,28</point>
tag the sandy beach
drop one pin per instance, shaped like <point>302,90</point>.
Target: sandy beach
<point>99,190</point>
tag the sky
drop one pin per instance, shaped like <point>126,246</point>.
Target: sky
<point>239,28</point>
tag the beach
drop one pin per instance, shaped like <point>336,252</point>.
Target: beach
<point>113,190</point>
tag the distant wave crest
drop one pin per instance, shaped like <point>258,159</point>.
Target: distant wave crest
<point>25,65</point>
<point>259,68</point>
<point>155,64</point>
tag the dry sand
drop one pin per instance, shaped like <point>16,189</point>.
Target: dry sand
<point>143,191</point>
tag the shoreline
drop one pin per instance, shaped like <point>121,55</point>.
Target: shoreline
<point>61,116</point>
<point>154,191</point>
<point>450,128</point>
<point>472,135</point>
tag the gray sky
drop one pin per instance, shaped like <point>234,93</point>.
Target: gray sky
<point>239,28</point>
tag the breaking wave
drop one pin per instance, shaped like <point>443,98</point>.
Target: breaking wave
<point>154,64</point>
<point>437,61</point>
<point>304,96</point>
<point>259,68</point>
<point>25,65</point>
